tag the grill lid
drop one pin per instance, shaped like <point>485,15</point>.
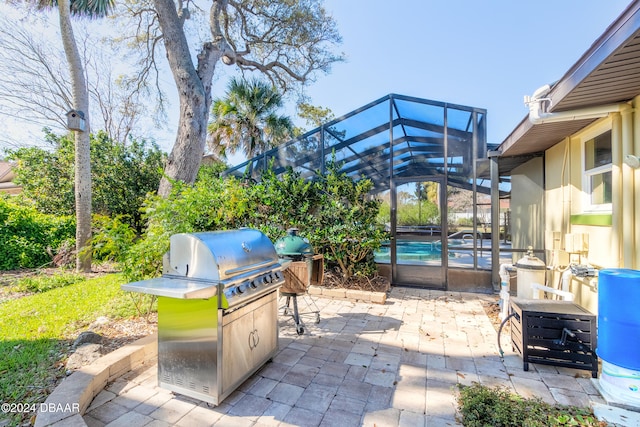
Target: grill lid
<point>219,255</point>
<point>235,266</point>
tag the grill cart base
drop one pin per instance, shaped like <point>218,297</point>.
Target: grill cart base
<point>207,353</point>
<point>295,313</point>
<point>298,276</point>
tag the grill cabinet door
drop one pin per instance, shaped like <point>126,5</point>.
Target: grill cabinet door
<point>250,338</point>
<point>265,324</point>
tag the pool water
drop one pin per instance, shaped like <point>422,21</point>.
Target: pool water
<point>429,253</point>
<point>411,251</point>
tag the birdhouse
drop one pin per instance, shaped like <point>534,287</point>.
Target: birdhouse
<point>75,120</point>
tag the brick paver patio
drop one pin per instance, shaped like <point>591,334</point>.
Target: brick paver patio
<point>366,364</point>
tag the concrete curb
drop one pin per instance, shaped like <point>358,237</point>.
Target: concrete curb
<point>71,398</point>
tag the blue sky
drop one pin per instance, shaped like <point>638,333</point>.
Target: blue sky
<point>485,54</point>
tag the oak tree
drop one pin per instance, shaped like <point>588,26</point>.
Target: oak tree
<point>286,41</point>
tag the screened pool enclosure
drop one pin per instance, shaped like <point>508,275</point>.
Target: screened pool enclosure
<point>428,162</point>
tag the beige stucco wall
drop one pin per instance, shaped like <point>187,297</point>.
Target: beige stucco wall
<point>600,251</point>
<point>563,197</point>
<point>557,195</point>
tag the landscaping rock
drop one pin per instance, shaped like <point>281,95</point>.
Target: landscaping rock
<point>84,355</point>
<point>87,337</point>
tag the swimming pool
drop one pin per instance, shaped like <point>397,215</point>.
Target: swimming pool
<point>460,253</point>
<point>407,251</point>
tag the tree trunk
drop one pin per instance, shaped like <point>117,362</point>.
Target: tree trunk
<point>194,91</point>
<point>82,142</point>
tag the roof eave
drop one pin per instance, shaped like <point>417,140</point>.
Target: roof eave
<point>528,138</point>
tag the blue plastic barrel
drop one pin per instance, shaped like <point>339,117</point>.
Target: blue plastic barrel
<point>619,317</point>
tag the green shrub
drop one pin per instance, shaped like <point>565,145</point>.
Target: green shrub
<point>334,212</point>
<point>209,204</point>
<point>122,174</point>
<point>423,213</point>
<point>212,203</point>
<point>345,227</point>
<point>111,238</point>
<point>143,260</point>
<point>283,201</point>
<point>29,238</point>
<point>481,406</point>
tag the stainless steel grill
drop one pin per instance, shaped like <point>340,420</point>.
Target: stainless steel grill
<point>217,311</point>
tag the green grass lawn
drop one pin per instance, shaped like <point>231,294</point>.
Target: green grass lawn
<point>37,330</point>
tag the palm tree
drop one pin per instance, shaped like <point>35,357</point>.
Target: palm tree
<point>246,119</point>
<point>90,8</point>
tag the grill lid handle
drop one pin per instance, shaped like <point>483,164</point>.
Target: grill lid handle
<point>244,268</point>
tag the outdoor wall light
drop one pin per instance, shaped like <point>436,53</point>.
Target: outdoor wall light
<point>632,161</point>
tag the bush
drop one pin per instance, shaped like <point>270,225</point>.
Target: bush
<point>345,227</point>
<point>122,175</point>
<point>144,259</point>
<point>425,212</point>
<point>335,213</point>
<point>29,238</point>
<point>111,238</point>
<point>283,201</point>
<point>481,406</point>
<point>210,204</point>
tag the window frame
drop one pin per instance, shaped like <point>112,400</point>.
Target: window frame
<point>588,174</point>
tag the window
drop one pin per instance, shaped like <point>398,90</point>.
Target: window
<point>597,172</point>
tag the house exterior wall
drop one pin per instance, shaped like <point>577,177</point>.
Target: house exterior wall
<point>611,236</point>
<point>557,199</point>
<point>6,179</point>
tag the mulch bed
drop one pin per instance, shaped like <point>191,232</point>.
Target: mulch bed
<point>492,309</point>
<point>334,279</point>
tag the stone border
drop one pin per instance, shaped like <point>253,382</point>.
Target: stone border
<point>349,294</point>
<point>71,398</point>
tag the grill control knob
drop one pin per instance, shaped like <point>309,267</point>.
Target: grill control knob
<point>253,284</point>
